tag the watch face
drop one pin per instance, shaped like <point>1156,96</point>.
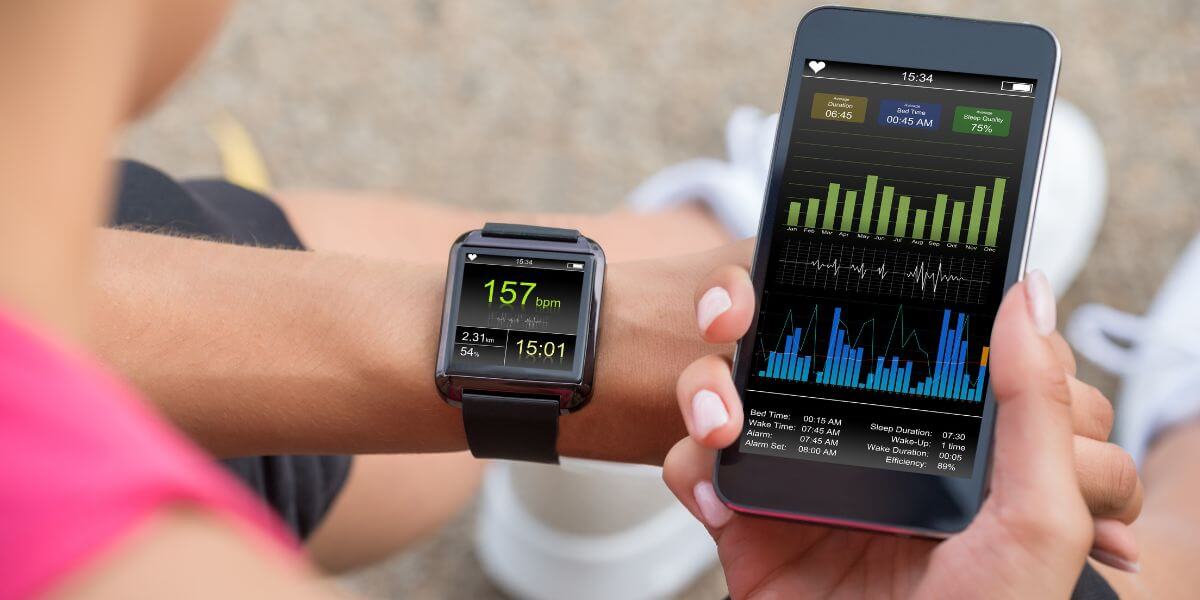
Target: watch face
<point>519,315</point>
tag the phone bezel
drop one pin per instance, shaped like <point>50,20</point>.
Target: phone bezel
<point>860,497</point>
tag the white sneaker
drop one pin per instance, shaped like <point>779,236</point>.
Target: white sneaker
<point>1072,198</point>
<point>1155,354</point>
<point>589,530</point>
<point>732,189</point>
<point>1069,211</point>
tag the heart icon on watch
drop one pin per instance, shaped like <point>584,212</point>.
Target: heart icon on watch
<point>472,256</point>
<point>816,65</point>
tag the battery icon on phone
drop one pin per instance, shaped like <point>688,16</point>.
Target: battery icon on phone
<point>571,265</point>
<point>1016,86</point>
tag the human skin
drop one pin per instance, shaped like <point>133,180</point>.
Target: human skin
<point>1164,539</point>
<point>1018,546</point>
<point>55,190</point>
<point>381,227</point>
<point>258,351</point>
<point>74,73</point>
<point>392,500</point>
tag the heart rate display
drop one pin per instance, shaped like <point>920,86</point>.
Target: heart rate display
<point>889,243</point>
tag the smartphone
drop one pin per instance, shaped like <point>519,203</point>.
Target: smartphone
<point>897,213</point>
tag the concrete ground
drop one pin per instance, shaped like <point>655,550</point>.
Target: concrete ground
<point>561,106</point>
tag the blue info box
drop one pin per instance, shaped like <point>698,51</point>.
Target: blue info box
<point>918,115</point>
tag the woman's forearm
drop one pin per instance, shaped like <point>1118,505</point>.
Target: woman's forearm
<point>259,351</point>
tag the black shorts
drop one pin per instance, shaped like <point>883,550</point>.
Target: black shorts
<point>299,488</point>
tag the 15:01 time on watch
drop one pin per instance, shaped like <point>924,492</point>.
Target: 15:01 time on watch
<point>540,348</point>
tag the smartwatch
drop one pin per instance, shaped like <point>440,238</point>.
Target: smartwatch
<point>520,324</point>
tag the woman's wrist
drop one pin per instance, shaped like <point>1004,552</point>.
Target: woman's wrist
<point>255,351</point>
<point>647,336</point>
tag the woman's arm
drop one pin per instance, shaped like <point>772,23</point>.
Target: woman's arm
<point>187,553</point>
<point>261,351</point>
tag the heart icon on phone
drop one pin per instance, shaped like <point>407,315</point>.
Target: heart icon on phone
<point>472,256</point>
<point>816,65</point>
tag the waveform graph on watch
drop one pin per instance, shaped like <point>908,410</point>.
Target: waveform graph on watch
<point>518,311</point>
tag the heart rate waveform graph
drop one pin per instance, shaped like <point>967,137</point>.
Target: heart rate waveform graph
<point>853,360</point>
<point>913,275</point>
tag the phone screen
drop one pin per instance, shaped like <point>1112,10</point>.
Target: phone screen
<point>887,264</point>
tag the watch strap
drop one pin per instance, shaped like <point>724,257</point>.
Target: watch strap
<point>511,427</point>
<point>515,427</point>
<point>530,232</point>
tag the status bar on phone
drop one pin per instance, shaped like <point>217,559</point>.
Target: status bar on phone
<point>999,85</point>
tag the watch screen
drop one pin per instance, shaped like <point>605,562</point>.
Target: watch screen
<point>518,311</point>
<point>886,267</point>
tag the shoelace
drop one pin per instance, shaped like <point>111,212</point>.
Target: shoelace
<point>1106,336</point>
<point>1110,338</point>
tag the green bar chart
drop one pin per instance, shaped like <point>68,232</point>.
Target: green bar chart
<point>831,201</point>
<point>794,215</point>
<point>976,215</point>
<point>881,209</point>
<point>939,218</point>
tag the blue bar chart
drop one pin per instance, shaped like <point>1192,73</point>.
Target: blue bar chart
<point>849,364</point>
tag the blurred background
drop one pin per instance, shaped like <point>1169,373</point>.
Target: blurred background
<point>538,104</point>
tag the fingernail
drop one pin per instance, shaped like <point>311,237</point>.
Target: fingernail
<point>1114,561</point>
<point>1040,298</point>
<point>712,304</point>
<point>714,512</point>
<point>708,413</point>
<point>1115,545</point>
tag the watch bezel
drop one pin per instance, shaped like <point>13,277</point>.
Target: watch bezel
<point>574,388</point>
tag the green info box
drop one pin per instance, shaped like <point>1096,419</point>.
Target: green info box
<point>982,121</point>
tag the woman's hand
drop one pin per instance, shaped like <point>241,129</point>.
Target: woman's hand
<point>1051,465</point>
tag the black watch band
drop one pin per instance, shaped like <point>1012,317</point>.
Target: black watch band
<point>530,232</point>
<point>515,427</point>
<point>511,427</point>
